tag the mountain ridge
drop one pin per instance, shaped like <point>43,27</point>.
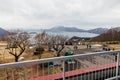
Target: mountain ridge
<point>3,32</point>
<point>112,34</point>
<point>98,30</point>
<point>67,29</point>
<point>74,29</point>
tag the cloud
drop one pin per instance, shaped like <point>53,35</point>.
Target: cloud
<point>49,13</point>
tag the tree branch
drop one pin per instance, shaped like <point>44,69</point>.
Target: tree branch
<point>12,53</point>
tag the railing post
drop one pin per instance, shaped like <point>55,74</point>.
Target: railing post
<point>63,69</point>
<point>5,74</point>
<point>25,74</point>
<point>117,66</point>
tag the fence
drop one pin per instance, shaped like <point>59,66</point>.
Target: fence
<point>90,66</point>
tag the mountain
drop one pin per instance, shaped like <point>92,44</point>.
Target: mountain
<point>114,29</point>
<point>112,34</point>
<point>98,30</point>
<point>74,29</point>
<point>2,32</point>
<point>64,29</point>
<point>69,29</point>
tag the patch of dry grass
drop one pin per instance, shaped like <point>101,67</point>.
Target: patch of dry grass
<point>3,43</point>
<point>47,54</point>
<point>115,46</point>
<point>5,57</point>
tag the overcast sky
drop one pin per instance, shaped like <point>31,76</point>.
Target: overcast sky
<point>84,14</point>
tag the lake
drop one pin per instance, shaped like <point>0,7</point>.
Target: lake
<point>71,34</point>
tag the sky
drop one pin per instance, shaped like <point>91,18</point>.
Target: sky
<point>37,14</point>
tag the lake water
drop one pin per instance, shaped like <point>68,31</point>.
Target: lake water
<point>71,34</point>
<point>79,34</point>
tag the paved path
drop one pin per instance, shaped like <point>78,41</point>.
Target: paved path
<point>81,49</point>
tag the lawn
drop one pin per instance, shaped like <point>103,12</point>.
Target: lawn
<point>115,46</point>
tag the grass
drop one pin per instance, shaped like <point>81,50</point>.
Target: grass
<point>5,57</point>
<point>115,46</point>
<point>47,54</point>
<point>109,44</point>
<point>104,42</point>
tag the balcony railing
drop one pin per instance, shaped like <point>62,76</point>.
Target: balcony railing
<point>90,66</point>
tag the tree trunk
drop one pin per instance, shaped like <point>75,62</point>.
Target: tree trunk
<point>49,48</point>
<point>16,58</point>
<point>39,56</point>
<point>58,54</point>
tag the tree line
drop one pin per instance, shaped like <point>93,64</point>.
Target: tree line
<point>18,42</point>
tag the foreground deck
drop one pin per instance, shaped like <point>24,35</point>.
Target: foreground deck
<point>78,72</point>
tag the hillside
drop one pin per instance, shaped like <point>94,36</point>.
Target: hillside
<point>98,30</point>
<point>74,29</point>
<point>3,31</point>
<point>111,35</point>
<point>65,29</point>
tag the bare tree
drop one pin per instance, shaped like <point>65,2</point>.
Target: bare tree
<point>17,44</point>
<point>41,38</point>
<point>58,43</point>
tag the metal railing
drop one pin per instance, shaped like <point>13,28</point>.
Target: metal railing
<point>90,66</point>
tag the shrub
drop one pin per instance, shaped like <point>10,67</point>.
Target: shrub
<point>38,51</point>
